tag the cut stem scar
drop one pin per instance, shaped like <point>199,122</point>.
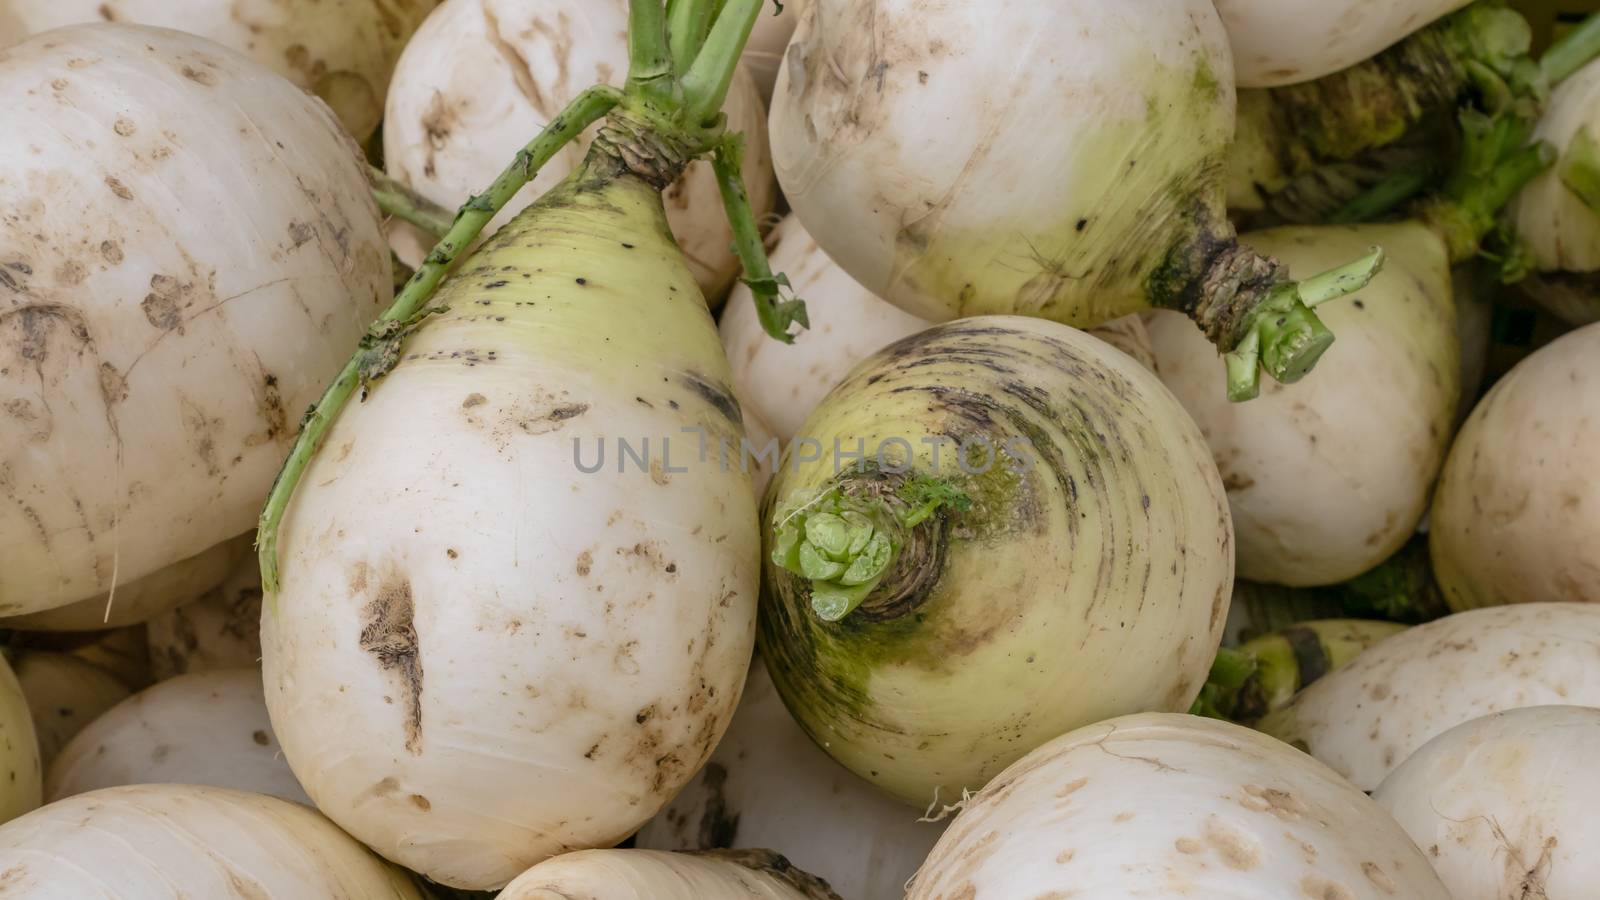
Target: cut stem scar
<point>469,222</point>
<point>397,200</point>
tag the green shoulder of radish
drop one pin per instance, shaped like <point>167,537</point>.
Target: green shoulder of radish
<point>1263,674</point>
<point>1162,805</point>
<point>343,52</point>
<point>1367,717</point>
<point>1503,805</point>
<point>163,840</point>
<point>64,695</point>
<point>204,728</point>
<point>654,875</point>
<point>1516,516</point>
<point>964,549</point>
<point>768,785</point>
<point>1091,189</point>
<point>174,288</point>
<point>481,73</point>
<point>219,630</point>
<point>519,551</point>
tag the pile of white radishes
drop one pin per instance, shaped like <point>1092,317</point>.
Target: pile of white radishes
<point>818,450</point>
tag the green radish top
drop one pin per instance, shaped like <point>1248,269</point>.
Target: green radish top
<point>682,58</point>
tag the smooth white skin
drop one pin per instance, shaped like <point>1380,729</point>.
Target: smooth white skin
<point>1503,806</point>
<point>1167,805</point>
<point>481,77</point>
<point>193,286</point>
<point>20,772</point>
<point>220,630</point>
<point>203,728</point>
<point>944,153</point>
<point>144,598</point>
<point>778,789</point>
<point>1367,717</point>
<point>64,695</point>
<point>1516,517</point>
<point>646,875</point>
<point>341,50</point>
<point>160,841</point>
<point>1287,41</point>
<point>763,52</point>
<point>1329,476</point>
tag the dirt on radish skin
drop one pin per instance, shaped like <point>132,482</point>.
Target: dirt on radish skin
<point>174,290</point>
<point>220,630</point>
<point>481,76</point>
<point>340,50</point>
<point>1366,718</point>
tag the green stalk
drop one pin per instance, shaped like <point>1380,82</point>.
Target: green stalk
<point>650,70</point>
<point>776,315</point>
<point>1575,49</point>
<point>705,85</point>
<point>397,200</point>
<point>1580,168</point>
<point>688,21</point>
<point>1384,197</point>
<point>380,347</point>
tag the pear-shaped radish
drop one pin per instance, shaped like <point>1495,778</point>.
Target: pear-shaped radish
<point>174,289</point>
<point>1162,805</point>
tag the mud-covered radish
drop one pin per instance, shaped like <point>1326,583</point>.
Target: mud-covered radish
<point>64,694</point>
<point>342,51</point>
<point>1264,673</point>
<point>159,841</point>
<point>976,580</point>
<point>1276,42</point>
<point>1328,477</point>
<point>143,598</point>
<point>1161,805</point>
<point>220,630</point>
<point>480,74</point>
<point>1503,805</point>
<point>769,786</point>
<point>204,728</point>
<point>654,875</point>
<point>1055,159</point>
<point>1516,517</point>
<point>588,623</point>
<point>174,288</point>
<point>1367,717</point>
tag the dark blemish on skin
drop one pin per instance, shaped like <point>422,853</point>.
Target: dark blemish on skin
<point>118,188</point>
<point>473,399</point>
<point>1359,304</point>
<point>582,281</point>
<point>571,410</point>
<point>627,246</point>
<point>716,395</point>
<point>390,634</point>
<point>260,737</point>
<point>1082,224</point>
<point>300,233</point>
<point>494,284</point>
<point>199,76</point>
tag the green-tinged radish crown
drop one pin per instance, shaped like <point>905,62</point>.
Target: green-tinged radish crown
<point>1263,674</point>
<point>681,64</point>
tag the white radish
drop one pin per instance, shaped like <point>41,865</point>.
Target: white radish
<point>175,286</point>
<point>1286,41</point>
<point>204,728</point>
<point>20,772</point>
<point>1163,805</point>
<point>163,841</point>
<point>1365,718</point>
<point>64,694</point>
<point>768,785</point>
<point>653,875</point>
<point>221,630</point>
<point>481,76</point>
<point>1516,517</point>
<point>341,50</point>
<point>1329,477</point>
<point>143,598</point>
<point>1503,806</point>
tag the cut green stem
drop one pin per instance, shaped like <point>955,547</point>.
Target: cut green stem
<point>688,22</point>
<point>383,338</point>
<point>1574,51</point>
<point>775,314</point>
<point>1394,191</point>
<point>397,200</point>
<point>706,84</point>
<point>650,70</point>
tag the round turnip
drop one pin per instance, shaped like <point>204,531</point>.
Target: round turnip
<point>1054,158</point>
<point>160,841</point>
<point>1516,517</point>
<point>1503,806</point>
<point>1367,717</point>
<point>203,728</point>
<point>187,250</point>
<point>1161,805</point>
<point>653,875</point>
<point>64,694</point>
<point>768,785</point>
<point>482,75</point>
<point>974,579</point>
<point>221,630</point>
<point>1329,477</point>
<point>341,50</point>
